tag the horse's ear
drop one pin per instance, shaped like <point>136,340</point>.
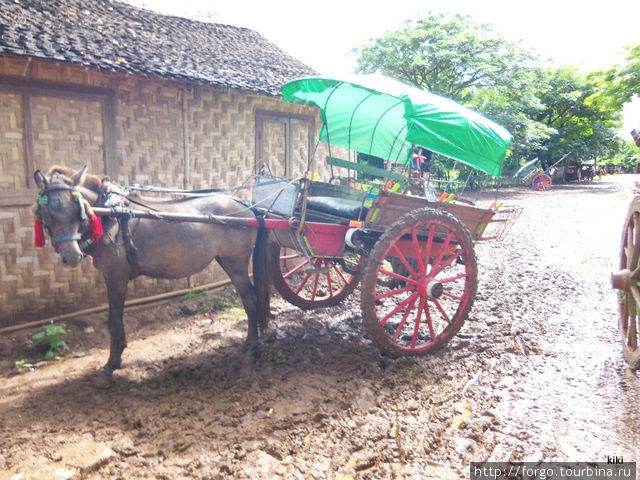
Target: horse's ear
<point>78,177</point>
<point>40,179</point>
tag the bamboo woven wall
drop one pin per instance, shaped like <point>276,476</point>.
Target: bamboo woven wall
<point>149,139</point>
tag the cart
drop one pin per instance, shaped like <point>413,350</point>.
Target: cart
<point>412,256</point>
<point>531,175</point>
<point>572,172</point>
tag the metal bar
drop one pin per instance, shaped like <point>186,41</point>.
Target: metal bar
<point>185,140</point>
<point>367,169</point>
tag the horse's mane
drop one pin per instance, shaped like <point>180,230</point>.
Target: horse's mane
<point>92,182</point>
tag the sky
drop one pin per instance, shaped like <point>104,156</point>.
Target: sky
<point>323,33</point>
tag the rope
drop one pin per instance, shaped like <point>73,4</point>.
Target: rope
<point>212,192</point>
<point>187,193</point>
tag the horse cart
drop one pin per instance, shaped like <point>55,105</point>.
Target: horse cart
<point>531,175</point>
<point>572,172</point>
<point>412,256</point>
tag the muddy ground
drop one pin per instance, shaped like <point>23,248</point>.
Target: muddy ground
<point>536,373</point>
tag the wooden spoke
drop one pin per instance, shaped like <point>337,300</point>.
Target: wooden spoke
<point>323,282</point>
<point>629,295</point>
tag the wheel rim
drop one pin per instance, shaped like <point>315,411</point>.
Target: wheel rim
<point>627,281</point>
<point>417,307</point>
<point>317,283</point>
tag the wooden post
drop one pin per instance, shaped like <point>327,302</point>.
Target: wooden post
<point>185,140</point>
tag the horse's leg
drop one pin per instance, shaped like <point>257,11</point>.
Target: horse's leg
<point>238,271</point>
<point>116,291</point>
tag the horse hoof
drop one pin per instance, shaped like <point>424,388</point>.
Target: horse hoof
<point>102,381</point>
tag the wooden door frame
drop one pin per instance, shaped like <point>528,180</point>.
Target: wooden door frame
<point>28,88</point>
<point>285,118</point>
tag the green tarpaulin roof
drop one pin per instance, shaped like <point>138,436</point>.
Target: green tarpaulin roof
<point>383,117</point>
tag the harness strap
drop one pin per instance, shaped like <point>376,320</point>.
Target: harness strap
<point>67,237</point>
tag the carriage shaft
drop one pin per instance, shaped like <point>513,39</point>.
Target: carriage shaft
<point>239,222</point>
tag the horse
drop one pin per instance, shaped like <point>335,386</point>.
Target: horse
<point>587,174</point>
<point>123,249</point>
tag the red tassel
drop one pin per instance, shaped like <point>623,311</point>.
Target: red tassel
<point>95,223</point>
<point>38,231</point>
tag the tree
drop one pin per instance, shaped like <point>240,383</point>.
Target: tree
<point>622,82</point>
<point>549,111</point>
<point>583,117</point>
<point>627,156</point>
<point>460,59</point>
<point>449,56</point>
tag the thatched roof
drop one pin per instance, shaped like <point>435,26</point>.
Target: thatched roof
<point>119,37</point>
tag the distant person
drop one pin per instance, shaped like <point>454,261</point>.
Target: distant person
<point>422,159</point>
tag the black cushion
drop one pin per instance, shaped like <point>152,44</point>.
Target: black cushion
<point>340,207</point>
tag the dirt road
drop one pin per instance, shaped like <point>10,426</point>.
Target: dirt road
<point>535,374</point>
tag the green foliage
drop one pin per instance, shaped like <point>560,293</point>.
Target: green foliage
<point>50,338</point>
<point>575,107</point>
<point>22,365</point>
<point>191,296</point>
<point>209,302</point>
<point>450,56</point>
<point>272,355</point>
<point>627,157</point>
<point>549,111</point>
<point>622,82</point>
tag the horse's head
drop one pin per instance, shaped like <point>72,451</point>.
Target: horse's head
<point>63,212</point>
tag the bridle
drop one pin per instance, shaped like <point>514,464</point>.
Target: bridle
<point>85,214</point>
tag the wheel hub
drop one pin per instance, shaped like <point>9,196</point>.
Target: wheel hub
<point>430,288</point>
<point>621,280</point>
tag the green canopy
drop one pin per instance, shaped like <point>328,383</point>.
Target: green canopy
<point>380,116</point>
<point>525,169</point>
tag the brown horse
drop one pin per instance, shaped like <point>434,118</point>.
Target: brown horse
<point>155,248</point>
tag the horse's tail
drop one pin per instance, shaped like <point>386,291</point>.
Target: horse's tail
<point>261,278</point>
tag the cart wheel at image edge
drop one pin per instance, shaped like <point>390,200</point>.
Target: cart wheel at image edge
<point>324,285</point>
<point>627,281</point>
<point>430,297</point>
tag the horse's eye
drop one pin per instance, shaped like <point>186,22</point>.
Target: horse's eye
<point>54,202</point>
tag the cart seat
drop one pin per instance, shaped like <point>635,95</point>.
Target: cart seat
<point>340,207</point>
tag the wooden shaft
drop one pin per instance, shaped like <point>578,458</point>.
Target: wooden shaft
<point>177,217</point>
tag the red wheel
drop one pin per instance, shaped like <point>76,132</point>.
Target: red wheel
<point>322,283</point>
<point>420,303</point>
<point>541,182</point>
<point>627,281</point>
